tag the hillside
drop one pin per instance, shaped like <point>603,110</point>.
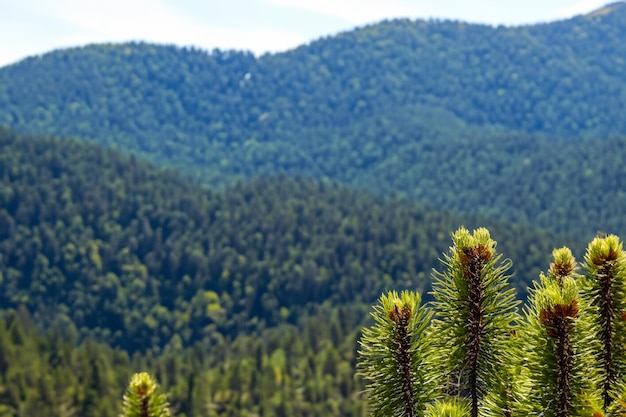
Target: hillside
<point>455,116</point>
<point>247,300</point>
<point>138,257</point>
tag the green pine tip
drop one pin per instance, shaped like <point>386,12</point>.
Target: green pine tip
<point>554,293</point>
<point>558,304</point>
<point>406,302</point>
<point>142,384</point>
<point>142,398</point>
<point>603,249</point>
<point>564,262</point>
<point>479,238</point>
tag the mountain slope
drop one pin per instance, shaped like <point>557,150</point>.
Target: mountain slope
<point>455,116</point>
<point>564,78</point>
<point>139,257</point>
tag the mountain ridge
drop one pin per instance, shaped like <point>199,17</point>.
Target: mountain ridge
<point>371,108</point>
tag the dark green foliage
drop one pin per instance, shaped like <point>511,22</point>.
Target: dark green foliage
<point>449,114</point>
<point>51,376</point>
<point>243,301</point>
<point>141,258</point>
<point>274,358</point>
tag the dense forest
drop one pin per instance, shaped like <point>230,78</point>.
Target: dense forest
<point>283,371</point>
<point>456,116</point>
<point>243,300</point>
<point>138,257</point>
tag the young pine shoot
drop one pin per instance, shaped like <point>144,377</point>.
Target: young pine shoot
<point>393,357</point>
<point>560,347</point>
<point>143,399</point>
<point>475,311</point>
<point>605,265</point>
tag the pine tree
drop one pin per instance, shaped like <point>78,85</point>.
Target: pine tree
<point>559,345</point>
<point>565,358</point>
<point>605,266</point>
<point>393,357</point>
<point>475,311</point>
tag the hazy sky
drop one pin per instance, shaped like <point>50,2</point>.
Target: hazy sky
<point>35,26</point>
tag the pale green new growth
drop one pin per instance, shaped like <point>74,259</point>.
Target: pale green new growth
<point>464,240</point>
<point>143,399</point>
<point>564,264</point>
<point>453,407</point>
<point>554,293</point>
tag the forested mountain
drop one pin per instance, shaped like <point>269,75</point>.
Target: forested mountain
<point>247,300</point>
<point>140,258</point>
<point>522,123</point>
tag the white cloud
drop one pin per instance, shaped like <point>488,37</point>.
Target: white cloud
<point>80,22</point>
<point>582,7</point>
<point>353,11</point>
<point>121,19</point>
<point>258,41</point>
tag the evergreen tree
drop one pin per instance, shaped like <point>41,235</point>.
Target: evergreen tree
<point>559,345</point>
<point>394,355</point>
<point>475,309</point>
<point>605,265</point>
<point>563,359</point>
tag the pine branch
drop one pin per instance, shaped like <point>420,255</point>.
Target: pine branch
<point>557,321</point>
<point>393,354</point>
<point>559,343</point>
<point>473,259</point>
<point>605,264</point>
<point>475,311</point>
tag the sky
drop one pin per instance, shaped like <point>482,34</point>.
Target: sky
<point>31,27</point>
